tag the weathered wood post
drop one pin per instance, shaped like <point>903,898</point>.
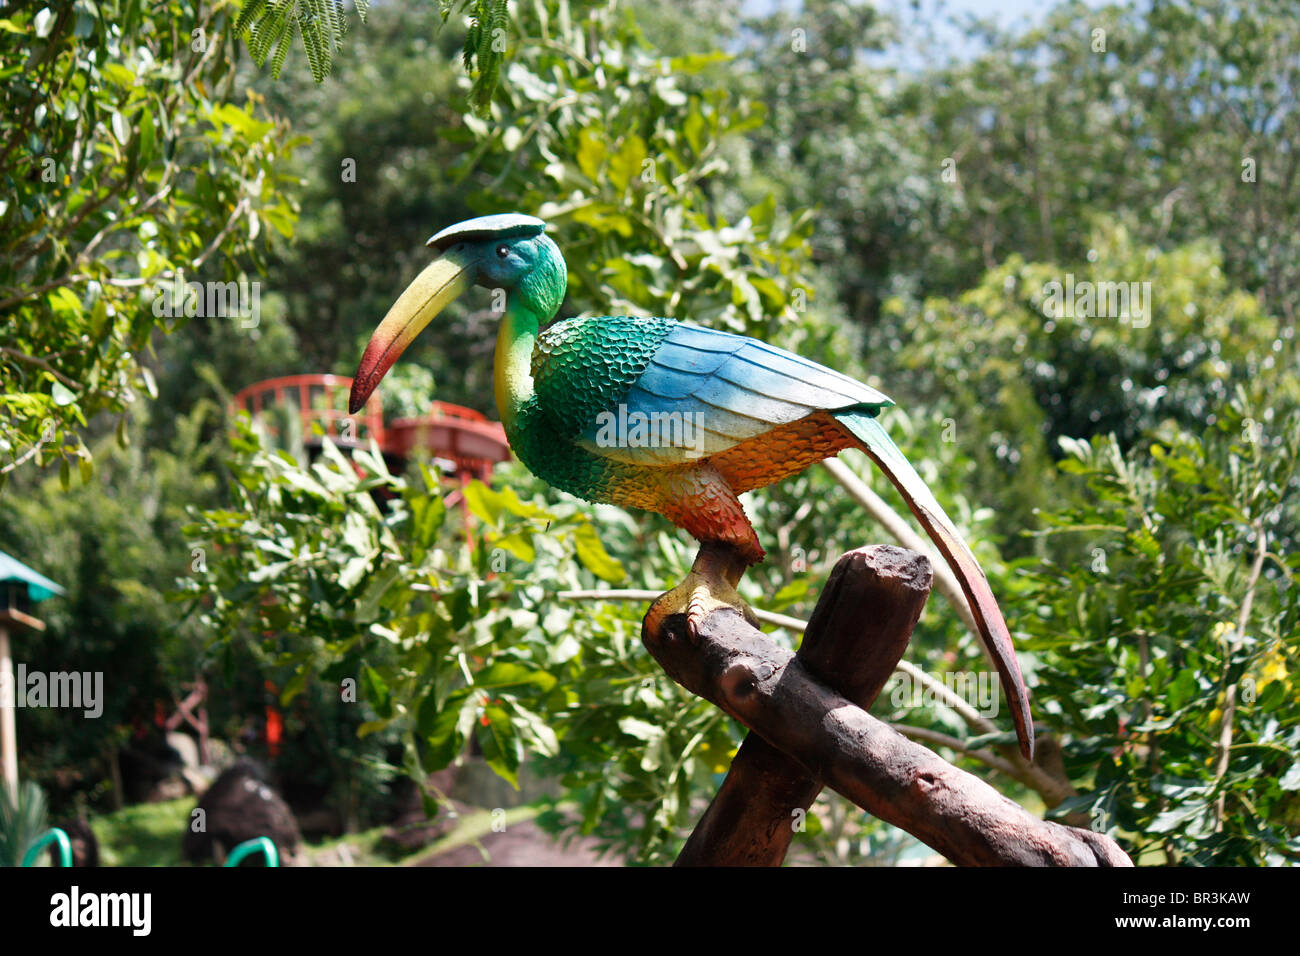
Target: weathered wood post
<point>810,729</point>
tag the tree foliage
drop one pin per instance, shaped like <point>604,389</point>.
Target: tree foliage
<point>270,28</point>
<point>126,167</point>
<point>1039,351</point>
<point>1169,642</point>
<point>628,155</point>
<point>441,631</point>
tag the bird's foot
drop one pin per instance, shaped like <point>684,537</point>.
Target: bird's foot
<point>710,586</point>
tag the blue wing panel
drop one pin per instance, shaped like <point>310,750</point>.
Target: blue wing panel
<point>684,359</point>
<point>668,384</point>
<point>705,391</point>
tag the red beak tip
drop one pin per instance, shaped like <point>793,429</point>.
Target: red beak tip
<point>357,400</point>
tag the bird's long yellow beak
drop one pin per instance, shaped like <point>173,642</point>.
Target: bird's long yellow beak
<point>442,280</point>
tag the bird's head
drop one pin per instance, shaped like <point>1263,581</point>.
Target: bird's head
<point>509,251</point>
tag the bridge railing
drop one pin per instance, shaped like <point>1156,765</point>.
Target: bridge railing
<point>298,409</point>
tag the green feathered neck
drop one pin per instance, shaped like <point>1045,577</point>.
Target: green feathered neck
<point>532,302</point>
<point>512,375</point>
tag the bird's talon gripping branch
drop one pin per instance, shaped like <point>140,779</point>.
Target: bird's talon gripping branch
<point>710,586</point>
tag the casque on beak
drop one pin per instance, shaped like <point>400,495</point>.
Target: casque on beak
<point>441,281</point>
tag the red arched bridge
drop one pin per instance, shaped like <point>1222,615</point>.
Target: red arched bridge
<point>303,408</point>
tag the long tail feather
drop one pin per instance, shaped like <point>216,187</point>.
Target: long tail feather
<point>875,441</point>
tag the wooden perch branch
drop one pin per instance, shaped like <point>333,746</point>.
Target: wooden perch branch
<point>1041,775</point>
<point>751,820</point>
<point>809,735</point>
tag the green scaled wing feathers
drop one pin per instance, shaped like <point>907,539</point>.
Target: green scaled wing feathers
<point>582,367</point>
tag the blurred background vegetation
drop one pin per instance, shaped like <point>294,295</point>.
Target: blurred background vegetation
<point>839,178</point>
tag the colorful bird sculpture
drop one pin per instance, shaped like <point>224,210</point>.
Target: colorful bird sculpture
<point>665,416</point>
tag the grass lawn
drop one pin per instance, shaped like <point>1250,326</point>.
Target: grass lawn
<point>147,834</point>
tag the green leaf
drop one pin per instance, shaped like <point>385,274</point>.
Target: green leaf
<point>293,687</point>
<point>605,218</point>
<point>594,557</point>
<point>461,607</point>
<point>118,74</point>
<point>508,674</point>
<point>440,729</point>
<point>371,727</point>
<point>640,729</point>
<point>539,733</point>
<point>376,691</point>
<point>591,152</point>
<point>368,604</point>
<point>483,503</point>
<point>763,212</point>
<point>427,515</point>
<point>1181,689</point>
<point>524,509</point>
<point>499,741</point>
<point>696,131</point>
<point>1176,817</point>
<point>519,544</point>
<point>794,592</point>
<point>628,162</point>
<point>62,395</point>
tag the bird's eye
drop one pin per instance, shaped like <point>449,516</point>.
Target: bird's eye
<point>503,251</point>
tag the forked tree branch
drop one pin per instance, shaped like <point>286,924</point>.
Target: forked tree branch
<point>808,735</point>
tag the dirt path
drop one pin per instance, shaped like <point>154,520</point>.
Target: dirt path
<point>521,844</point>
